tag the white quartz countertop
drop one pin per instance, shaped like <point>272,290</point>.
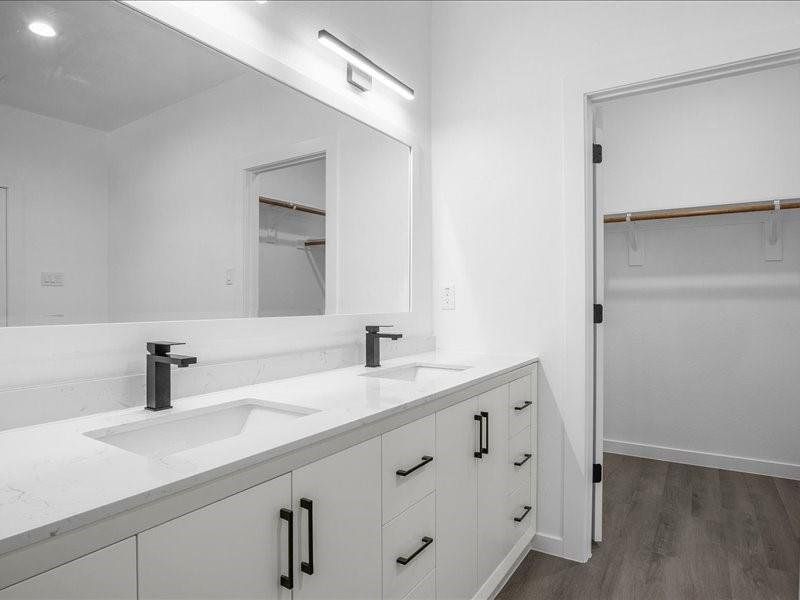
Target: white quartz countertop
<point>54,479</point>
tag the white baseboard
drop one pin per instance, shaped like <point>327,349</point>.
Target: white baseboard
<point>548,544</point>
<point>505,569</point>
<point>704,459</point>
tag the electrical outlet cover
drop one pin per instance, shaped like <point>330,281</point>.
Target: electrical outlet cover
<point>448,297</point>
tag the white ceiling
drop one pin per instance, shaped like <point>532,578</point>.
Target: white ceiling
<point>108,66</point>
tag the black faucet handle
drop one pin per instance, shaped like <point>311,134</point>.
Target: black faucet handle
<point>162,348</point>
<point>375,328</point>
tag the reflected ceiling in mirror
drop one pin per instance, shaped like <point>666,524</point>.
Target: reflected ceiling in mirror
<point>146,177</point>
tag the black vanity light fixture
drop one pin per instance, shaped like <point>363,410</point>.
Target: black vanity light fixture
<point>358,62</point>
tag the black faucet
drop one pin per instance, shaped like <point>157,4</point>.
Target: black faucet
<point>374,343</point>
<point>159,395</point>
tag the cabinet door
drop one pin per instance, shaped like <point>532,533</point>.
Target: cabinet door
<point>493,484</point>
<point>234,548</point>
<point>108,574</point>
<point>456,501</point>
<point>337,506</point>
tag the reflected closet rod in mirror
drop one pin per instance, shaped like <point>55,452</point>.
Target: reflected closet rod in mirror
<point>291,206</point>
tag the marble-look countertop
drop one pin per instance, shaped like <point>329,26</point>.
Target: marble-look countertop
<point>54,479</point>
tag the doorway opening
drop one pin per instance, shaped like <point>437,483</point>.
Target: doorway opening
<point>291,200</point>
<point>696,266</point>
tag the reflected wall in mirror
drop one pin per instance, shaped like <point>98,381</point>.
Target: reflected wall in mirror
<point>146,177</point>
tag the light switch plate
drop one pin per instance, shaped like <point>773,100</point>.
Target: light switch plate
<point>51,279</point>
<point>448,297</point>
<point>229,276</point>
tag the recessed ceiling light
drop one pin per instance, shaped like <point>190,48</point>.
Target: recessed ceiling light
<point>43,29</point>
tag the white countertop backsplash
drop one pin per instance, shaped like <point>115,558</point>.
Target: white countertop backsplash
<point>54,479</point>
<point>24,406</point>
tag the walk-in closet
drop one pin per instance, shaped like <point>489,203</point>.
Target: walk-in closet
<point>697,200</point>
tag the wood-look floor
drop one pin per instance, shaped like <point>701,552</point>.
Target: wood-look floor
<point>675,531</point>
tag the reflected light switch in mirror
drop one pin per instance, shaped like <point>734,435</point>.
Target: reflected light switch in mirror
<point>52,279</point>
<point>448,297</point>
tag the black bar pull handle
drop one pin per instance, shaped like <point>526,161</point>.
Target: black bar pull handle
<point>404,560</point>
<point>308,567</point>
<point>287,581</point>
<point>485,449</point>
<point>406,472</point>
<point>524,405</point>
<point>523,515</point>
<point>527,457</point>
<point>479,452</point>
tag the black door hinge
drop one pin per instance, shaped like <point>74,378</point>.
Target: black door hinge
<point>597,473</point>
<point>597,154</point>
<point>598,314</point>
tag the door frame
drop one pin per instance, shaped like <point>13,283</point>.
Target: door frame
<point>4,196</point>
<point>595,255</point>
<point>598,292</point>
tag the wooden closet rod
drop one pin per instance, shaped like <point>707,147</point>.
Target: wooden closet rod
<point>703,211</point>
<point>291,205</point>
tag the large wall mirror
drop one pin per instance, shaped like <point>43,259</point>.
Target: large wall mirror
<point>146,177</point>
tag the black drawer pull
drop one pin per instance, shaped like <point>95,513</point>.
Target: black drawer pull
<point>405,472</point>
<point>525,514</point>
<point>308,567</point>
<point>287,581</point>
<point>519,463</point>
<point>479,452</point>
<point>426,541</point>
<point>524,405</point>
<point>485,449</point>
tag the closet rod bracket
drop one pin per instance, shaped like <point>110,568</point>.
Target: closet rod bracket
<point>773,234</point>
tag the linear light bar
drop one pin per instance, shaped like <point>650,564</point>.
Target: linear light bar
<point>354,57</point>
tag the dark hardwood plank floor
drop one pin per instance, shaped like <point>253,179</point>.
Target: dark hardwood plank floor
<point>675,531</point>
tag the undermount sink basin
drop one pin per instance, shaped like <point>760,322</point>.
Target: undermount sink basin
<point>416,372</point>
<point>172,433</point>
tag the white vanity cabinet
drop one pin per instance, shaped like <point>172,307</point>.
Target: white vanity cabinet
<point>337,506</point>
<point>457,500</point>
<point>426,509</point>
<point>239,547</point>
<point>107,574</point>
<point>481,492</point>
<point>493,475</point>
<point>234,548</point>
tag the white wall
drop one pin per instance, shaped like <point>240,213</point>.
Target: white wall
<point>735,139</point>
<point>701,345</point>
<point>397,35</point>
<point>508,159</point>
<point>56,173</point>
<point>303,184</point>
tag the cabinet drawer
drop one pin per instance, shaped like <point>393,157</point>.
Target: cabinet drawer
<point>520,405</point>
<point>517,504</point>
<point>519,447</point>
<point>425,590</point>
<point>406,538</point>
<point>410,450</point>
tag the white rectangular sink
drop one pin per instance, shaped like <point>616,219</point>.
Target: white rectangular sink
<point>417,372</point>
<point>173,433</point>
